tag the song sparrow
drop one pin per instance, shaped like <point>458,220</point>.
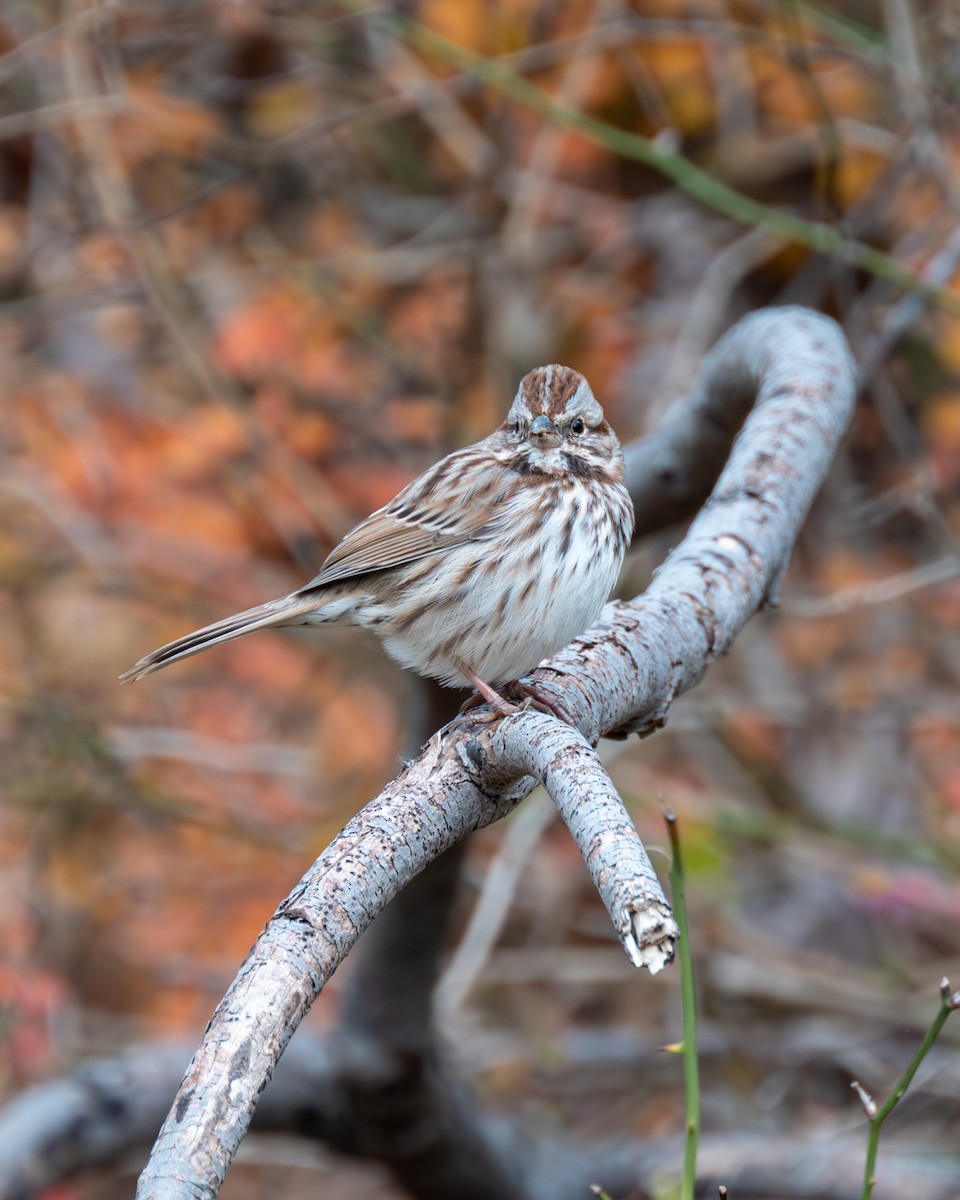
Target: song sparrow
<point>486,564</point>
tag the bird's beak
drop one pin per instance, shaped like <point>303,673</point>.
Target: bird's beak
<point>543,433</point>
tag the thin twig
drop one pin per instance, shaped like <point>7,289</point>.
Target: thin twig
<point>51,115</point>
<point>688,1002</point>
<point>500,882</point>
<point>882,591</point>
<point>938,272</point>
<point>949,1002</point>
<point>303,490</point>
<point>661,156</point>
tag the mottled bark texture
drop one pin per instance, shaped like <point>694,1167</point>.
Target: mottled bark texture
<point>571,772</point>
<point>791,369</point>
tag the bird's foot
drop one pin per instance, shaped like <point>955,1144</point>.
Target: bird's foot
<point>521,696</point>
<point>533,698</point>
<point>487,695</point>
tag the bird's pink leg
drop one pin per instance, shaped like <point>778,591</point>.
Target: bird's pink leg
<point>503,707</point>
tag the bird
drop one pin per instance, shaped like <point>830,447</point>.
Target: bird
<point>486,564</point>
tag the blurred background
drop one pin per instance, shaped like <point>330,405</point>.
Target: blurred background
<point>260,264</point>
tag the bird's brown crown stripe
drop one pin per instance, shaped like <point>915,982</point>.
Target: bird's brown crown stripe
<point>549,389</point>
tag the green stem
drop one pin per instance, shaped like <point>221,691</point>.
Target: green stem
<point>688,1003</point>
<point>655,153</point>
<point>846,31</point>
<point>948,1004</point>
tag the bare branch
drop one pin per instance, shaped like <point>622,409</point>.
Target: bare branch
<point>767,361</point>
<point>794,367</point>
<point>571,771</point>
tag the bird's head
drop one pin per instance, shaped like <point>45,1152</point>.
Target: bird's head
<point>556,427</point>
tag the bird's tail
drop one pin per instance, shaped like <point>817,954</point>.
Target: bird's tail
<point>289,610</point>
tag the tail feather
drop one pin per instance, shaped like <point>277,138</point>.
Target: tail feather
<point>276,612</point>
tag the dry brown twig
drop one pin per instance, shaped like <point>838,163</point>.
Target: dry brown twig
<point>171,301</point>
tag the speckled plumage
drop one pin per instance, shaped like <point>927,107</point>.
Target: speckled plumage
<point>490,561</point>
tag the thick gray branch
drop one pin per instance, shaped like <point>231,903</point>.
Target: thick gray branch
<point>673,470</point>
<point>621,675</point>
<point>570,770</point>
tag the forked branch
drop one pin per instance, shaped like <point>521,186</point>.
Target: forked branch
<point>790,370</point>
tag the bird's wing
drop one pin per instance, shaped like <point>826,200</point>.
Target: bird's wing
<point>399,534</point>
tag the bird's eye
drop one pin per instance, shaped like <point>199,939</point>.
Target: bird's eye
<point>577,426</point>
